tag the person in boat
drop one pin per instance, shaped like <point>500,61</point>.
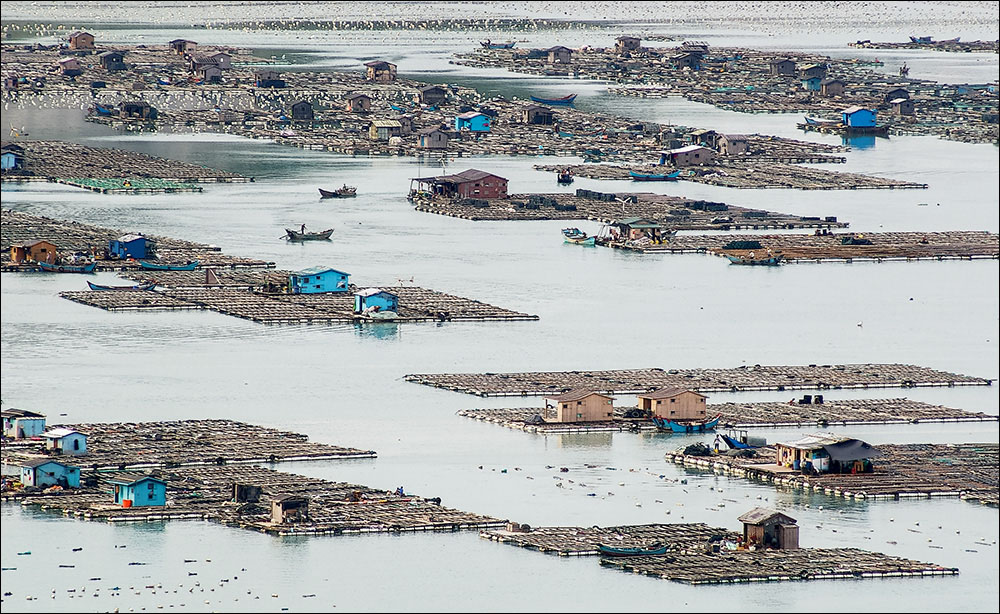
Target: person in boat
<point>400,492</point>
<point>718,442</point>
<point>303,230</point>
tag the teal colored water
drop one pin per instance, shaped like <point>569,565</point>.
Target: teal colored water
<point>598,308</point>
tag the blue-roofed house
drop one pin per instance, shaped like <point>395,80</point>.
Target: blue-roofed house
<point>138,490</point>
<point>812,84</point>
<point>128,246</point>
<point>66,441</point>
<point>22,424</point>
<point>858,117</point>
<point>317,280</point>
<point>473,121</point>
<point>13,156</point>
<point>375,299</point>
<point>47,472</point>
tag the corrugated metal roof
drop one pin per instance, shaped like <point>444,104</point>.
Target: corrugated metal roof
<point>815,441</point>
<point>60,432</point>
<point>129,238</point>
<point>132,478</point>
<point>762,514</point>
<point>576,395</point>
<point>855,109</point>
<point>13,412</point>
<point>43,461</point>
<point>387,123</point>
<point>317,270</point>
<point>667,393</point>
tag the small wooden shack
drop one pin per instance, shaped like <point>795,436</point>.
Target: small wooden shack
<point>903,106</point>
<point>11,156</point>
<point>138,110</point>
<point>827,453</point>
<point>560,55</point>
<point>895,93</point>
<point>380,71</point>
<point>128,246</point>
<point>22,424</point>
<point>405,122</point>
<point>625,44</point>
<point>65,441</point>
<point>358,103</point>
<point>181,46</point>
<point>318,280</point>
<point>375,299</point>
<point>674,403</point>
<point>268,78</point>
<point>302,111</point>
<point>581,406</point>
<point>832,87</point>
<point>45,472</point>
<point>289,509</point>
<point>539,115</point>
<point>690,61</point>
<point>137,490</point>
<point>209,73</point>
<point>112,60</point>
<point>432,94</point>
<point>768,528</point>
<point>384,129</point>
<point>36,251</point>
<point>470,183</point>
<point>732,144</point>
<point>858,117</point>
<point>432,138</point>
<point>70,67</point>
<point>783,67</point>
<point>81,40</point>
<point>813,70</point>
<point>691,155</point>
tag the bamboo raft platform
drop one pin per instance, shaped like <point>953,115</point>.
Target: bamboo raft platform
<point>112,171</point>
<point>740,79</point>
<point>179,443</point>
<point>745,174</point>
<point>745,415</point>
<point>745,378</point>
<point>208,493</point>
<point>885,246</point>
<point>695,556</point>
<point>17,228</point>
<point>948,45</point>
<point>679,213</point>
<point>415,304</point>
<point>969,471</point>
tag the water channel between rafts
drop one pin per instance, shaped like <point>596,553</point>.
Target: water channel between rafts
<point>599,309</point>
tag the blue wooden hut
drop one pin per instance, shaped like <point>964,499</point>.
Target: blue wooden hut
<point>812,83</point>
<point>46,472</point>
<point>473,121</point>
<point>138,490</point>
<point>858,117</point>
<point>66,441</point>
<point>22,424</point>
<point>128,246</point>
<point>376,298</point>
<point>317,280</point>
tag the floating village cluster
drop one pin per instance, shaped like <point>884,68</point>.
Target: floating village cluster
<point>210,469</point>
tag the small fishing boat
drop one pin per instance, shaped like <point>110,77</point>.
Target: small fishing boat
<point>565,177</point>
<point>295,235</point>
<point>654,177</point>
<point>68,268</point>
<point>491,45</point>
<point>951,40</point>
<point>739,440</point>
<point>565,100</point>
<point>152,266</point>
<point>142,286</point>
<point>749,260</point>
<point>921,40</point>
<point>655,549</point>
<point>686,426</point>
<point>344,191</point>
<point>815,121</point>
<point>577,236</point>
<point>100,109</point>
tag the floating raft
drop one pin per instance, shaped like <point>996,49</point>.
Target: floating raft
<point>969,471</point>
<point>747,415</point>
<point>692,559</point>
<point>675,212</point>
<point>881,246</point>
<point>415,304</point>
<point>757,377</point>
<point>17,228</point>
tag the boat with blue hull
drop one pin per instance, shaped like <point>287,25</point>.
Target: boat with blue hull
<point>492,45</point>
<point>136,287</point>
<point>654,177</point>
<point>565,100</point>
<point>577,236</point>
<point>152,266</point>
<point>90,267</point>
<point>673,426</point>
<point>770,260</point>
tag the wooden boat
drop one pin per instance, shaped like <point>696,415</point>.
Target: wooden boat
<point>922,40</point>
<point>772,260</point>
<point>563,101</point>
<point>142,286</point>
<point>344,191</point>
<point>815,121</point>
<point>951,40</point>
<point>152,266</point>
<point>492,45</point>
<point>565,177</point>
<point>295,235</point>
<point>739,440</point>
<point>68,268</point>
<point>686,426</point>
<point>656,549</point>
<point>577,236</point>
<point>654,177</point>
<point>100,109</point>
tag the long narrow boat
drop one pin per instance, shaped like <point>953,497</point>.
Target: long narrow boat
<point>142,286</point>
<point>100,109</point>
<point>564,100</point>
<point>654,177</point>
<point>491,45</point>
<point>577,236</point>
<point>294,235</point>
<point>565,177</point>
<point>67,268</point>
<point>342,192</point>
<point>152,266</point>
<point>665,424</point>
<point>650,550</point>
<point>772,260</point>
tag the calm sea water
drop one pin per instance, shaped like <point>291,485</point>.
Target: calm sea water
<point>599,309</point>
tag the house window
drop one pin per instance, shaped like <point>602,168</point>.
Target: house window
<point>673,400</point>
<point>579,415</point>
<point>76,444</point>
<point>579,402</point>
